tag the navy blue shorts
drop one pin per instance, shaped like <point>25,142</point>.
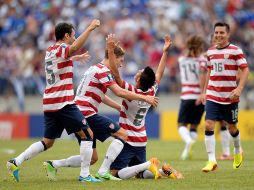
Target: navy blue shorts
<point>129,156</point>
<point>102,126</point>
<point>226,112</point>
<point>190,113</point>
<point>68,118</point>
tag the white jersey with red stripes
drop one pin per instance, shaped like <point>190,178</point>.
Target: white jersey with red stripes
<point>92,89</point>
<point>190,69</point>
<point>59,78</point>
<point>133,113</point>
<point>224,64</point>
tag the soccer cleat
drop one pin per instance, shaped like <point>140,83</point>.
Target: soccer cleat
<point>225,157</point>
<point>171,172</point>
<point>154,167</point>
<point>13,169</point>
<point>89,178</point>
<point>51,171</point>
<point>210,166</point>
<point>238,159</point>
<point>187,152</point>
<point>107,176</point>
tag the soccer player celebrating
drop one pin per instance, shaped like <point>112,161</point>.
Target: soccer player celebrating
<point>192,71</point>
<point>221,92</point>
<point>224,134</point>
<point>60,112</point>
<point>90,93</point>
<point>132,159</point>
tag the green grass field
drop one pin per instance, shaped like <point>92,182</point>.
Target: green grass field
<point>33,176</point>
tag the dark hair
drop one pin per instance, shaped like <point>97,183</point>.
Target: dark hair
<point>195,45</point>
<point>222,24</point>
<point>118,51</point>
<point>61,29</point>
<point>147,79</point>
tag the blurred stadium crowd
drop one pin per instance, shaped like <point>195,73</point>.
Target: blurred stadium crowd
<point>27,29</point>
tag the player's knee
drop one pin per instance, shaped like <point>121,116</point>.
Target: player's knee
<point>209,125</point>
<point>114,173</point>
<point>47,143</point>
<point>123,136</point>
<point>85,134</point>
<point>232,129</point>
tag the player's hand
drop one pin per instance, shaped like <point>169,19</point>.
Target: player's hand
<point>167,43</point>
<point>198,101</point>
<point>235,94</point>
<point>94,24</point>
<point>83,58</point>
<point>152,100</point>
<point>203,98</point>
<point>111,42</point>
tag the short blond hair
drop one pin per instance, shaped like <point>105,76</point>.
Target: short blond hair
<point>118,51</point>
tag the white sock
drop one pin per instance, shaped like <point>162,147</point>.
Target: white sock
<point>147,174</point>
<point>132,171</point>
<point>210,147</point>
<point>237,144</point>
<point>113,151</point>
<point>194,135</point>
<point>225,142</point>
<point>86,152</point>
<point>33,150</point>
<point>72,161</point>
<point>185,134</point>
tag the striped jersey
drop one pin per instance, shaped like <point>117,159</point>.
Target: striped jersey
<point>190,68</point>
<point>224,65</point>
<point>133,113</point>
<point>59,78</point>
<point>92,89</point>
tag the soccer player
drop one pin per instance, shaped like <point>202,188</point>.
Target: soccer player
<point>60,112</point>
<point>221,92</point>
<point>132,159</point>
<point>224,134</point>
<point>90,93</point>
<point>192,72</point>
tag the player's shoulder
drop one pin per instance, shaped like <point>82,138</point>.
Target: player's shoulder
<point>235,48</point>
<point>182,58</point>
<point>211,48</point>
<point>101,67</point>
<point>202,57</point>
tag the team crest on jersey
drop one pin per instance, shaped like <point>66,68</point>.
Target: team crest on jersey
<point>226,56</point>
<point>110,77</point>
<point>111,126</point>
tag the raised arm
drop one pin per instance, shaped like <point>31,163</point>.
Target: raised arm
<point>111,43</point>
<point>79,42</point>
<point>161,67</point>
<point>111,103</point>
<point>117,90</point>
<point>82,58</point>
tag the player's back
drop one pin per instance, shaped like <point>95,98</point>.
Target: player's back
<point>59,78</point>
<point>190,68</point>
<point>92,89</point>
<point>132,115</point>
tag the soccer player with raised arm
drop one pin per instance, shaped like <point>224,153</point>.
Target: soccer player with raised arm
<point>90,93</point>
<point>221,92</point>
<point>60,111</point>
<point>132,160</point>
